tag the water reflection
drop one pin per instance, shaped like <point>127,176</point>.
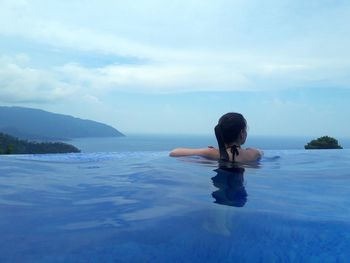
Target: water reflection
<point>230,184</point>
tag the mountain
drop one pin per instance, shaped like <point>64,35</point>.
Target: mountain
<point>35,124</point>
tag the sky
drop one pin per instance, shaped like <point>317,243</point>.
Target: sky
<point>174,67</point>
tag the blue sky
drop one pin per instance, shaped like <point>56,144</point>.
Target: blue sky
<point>175,67</point>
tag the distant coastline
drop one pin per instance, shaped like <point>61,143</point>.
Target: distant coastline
<point>40,125</point>
<point>13,145</point>
<point>35,131</point>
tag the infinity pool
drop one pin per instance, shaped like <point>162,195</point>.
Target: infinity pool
<point>147,207</point>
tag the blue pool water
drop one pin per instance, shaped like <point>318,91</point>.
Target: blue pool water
<point>143,206</point>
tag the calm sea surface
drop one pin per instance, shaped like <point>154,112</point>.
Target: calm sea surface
<point>125,200</point>
<point>168,142</point>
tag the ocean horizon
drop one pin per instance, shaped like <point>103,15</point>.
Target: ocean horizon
<point>165,142</point>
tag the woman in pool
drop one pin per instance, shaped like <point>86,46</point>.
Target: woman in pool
<point>231,133</point>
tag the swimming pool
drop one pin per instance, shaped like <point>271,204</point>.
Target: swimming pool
<point>147,207</point>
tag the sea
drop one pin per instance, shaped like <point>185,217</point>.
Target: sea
<point>160,142</point>
<point>125,200</point>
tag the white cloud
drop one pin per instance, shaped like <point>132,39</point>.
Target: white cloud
<point>156,78</point>
<point>20,83</point>
<point>48,53</point>
<point>166,67</point>
<point>270,69</point>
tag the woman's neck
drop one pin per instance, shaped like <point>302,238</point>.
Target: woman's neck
<point>233,144</point>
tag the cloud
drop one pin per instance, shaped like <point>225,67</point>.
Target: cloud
<point>229,53</point>
<point>270,69</point>
<point>156,78</point>
<point>109,60</point>
<point>20,83</point>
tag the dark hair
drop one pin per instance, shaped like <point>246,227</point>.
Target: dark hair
<point>227,131</point>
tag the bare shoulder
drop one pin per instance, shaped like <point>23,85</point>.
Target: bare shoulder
<point>210,152</point>
<point>253,154</point>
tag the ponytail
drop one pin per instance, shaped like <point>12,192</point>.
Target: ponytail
<point>221,144</point>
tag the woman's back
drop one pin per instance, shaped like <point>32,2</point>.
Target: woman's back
<point>245,155</point>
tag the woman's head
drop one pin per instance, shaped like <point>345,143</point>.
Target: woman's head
<point>230,130</point>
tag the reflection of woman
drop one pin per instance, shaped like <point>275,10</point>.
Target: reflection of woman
<point>230,184</point>
<point>231,133</point>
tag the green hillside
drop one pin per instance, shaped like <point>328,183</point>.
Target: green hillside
<point>324,142</point>
<point>13,145</point>
<point>36,124</point>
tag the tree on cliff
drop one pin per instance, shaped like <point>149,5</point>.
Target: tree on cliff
<point>13,145</point>
<point>324,142</point>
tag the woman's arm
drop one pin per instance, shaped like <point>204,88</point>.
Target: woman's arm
<point>210,152</point>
